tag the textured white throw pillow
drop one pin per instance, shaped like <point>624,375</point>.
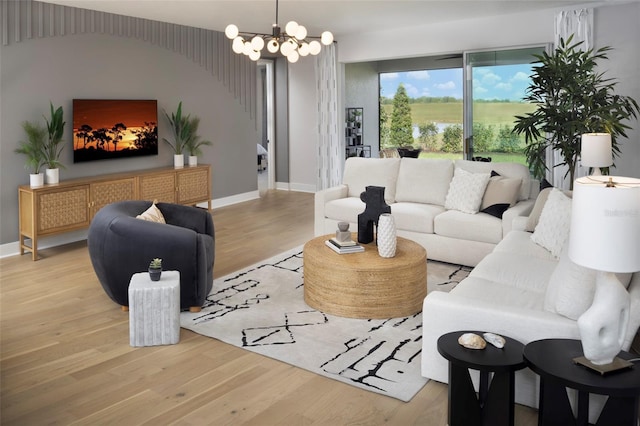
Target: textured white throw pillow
<point>571,288</point>
<point>555,219</point>
<point>466,191</point>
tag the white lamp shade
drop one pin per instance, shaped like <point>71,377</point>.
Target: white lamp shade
<point>605,224</point>
<point>596,150</point>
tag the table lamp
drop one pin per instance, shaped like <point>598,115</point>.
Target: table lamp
<point>595,151</point>
<point>605,236</point>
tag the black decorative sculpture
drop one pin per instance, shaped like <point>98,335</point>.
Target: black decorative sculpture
<point>373,197</point>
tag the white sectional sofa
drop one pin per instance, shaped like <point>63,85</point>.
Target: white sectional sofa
<point>523,291</point>
<point>424,208</point>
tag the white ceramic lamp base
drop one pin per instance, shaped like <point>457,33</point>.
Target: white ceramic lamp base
<point>603,326</point>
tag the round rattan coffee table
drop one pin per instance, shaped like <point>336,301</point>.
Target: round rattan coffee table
<point>365,285</point>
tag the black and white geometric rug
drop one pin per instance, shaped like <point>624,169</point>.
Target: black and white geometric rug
<point>262,309</point>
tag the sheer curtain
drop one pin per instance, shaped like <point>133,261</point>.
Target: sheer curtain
<point>330,149</point>
<point>580,24</point>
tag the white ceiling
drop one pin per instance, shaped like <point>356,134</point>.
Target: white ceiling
<point>340,17</point>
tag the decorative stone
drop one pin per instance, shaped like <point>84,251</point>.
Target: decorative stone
<point>343,235</point>
<point>472,341</point>
<point>495,339</point>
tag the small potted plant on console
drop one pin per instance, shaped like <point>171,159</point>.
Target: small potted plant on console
<point>53,147</point>
<point>33,148</point>
<point>155,269</point>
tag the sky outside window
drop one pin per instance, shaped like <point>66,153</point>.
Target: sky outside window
<point>504,82</point>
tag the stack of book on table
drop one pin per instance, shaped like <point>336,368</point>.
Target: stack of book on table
<point>344,247</point>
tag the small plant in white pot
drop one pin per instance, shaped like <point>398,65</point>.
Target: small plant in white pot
<point>193,143</point>
<point>53,147</point>
<point>33,149</point>
<point>155,269</point>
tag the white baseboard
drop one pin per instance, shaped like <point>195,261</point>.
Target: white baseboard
<point>234,199</point>
<point>299,187</point>
<point>13,249</point>
<point>302,187</point>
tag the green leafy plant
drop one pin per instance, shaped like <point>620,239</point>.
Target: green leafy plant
<point>194,143</point>
<point>155,263</point>
<point>55,130</point>
<point>33,147</point>
<point>572,98</point>
<point>179,128</point>
<point>185,132</point>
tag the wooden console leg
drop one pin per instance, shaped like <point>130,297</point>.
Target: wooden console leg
<point>195,309</point>
<point>124,308</point>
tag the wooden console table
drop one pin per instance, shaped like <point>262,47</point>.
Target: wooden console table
<point>70,205</point>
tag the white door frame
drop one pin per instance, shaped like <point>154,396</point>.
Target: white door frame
<point>269,92</point>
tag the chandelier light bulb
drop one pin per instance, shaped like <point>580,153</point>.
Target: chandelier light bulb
<point>303,50</point>
<point>238,45</point>
<point>246,48</point>
<point>231,31</point>
<point>273,45</point>
<point>291,28</point>
<point>301,32</point>
<point>286,48</point>
<point>293,56</point>
<point>254,55</point>
<point>314,47</point>
<point>257,43</point>
<point>326,38</point>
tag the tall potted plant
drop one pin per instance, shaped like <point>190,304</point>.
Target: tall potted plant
<point>180,129</point>
<point>194,143</point>
<point>33,148</point>
<point>53,147</point>
<point>572,98</point>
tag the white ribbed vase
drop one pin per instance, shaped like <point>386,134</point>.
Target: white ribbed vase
<point>386,235</point>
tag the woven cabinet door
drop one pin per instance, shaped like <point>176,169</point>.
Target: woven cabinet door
<point>107,192</point>
<point>193,185</point>
<point>158,186</point>
<point>60,210</point>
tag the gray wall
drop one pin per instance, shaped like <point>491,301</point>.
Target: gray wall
<point>617,26</point>
<point>94,63</point>
<point>361,91</point>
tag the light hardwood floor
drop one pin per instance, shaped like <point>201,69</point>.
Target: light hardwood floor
<point>65,356</point>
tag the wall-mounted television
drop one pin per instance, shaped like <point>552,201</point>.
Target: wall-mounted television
<point>114,128</point>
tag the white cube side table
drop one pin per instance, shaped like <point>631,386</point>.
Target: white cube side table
<point>154,309</point>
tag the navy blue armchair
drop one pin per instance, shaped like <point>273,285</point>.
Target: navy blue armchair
<point>121,245</point>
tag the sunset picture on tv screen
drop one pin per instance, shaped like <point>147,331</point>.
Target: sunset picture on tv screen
<point>105,128</point>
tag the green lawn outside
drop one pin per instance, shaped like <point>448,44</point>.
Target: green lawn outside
<point>496,113</point>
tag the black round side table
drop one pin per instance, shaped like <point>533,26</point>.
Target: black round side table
<point>552,360</point>
<point>494,404</point>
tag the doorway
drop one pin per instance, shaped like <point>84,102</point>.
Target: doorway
<point>266,147</point>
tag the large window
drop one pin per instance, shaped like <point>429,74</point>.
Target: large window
<point>495,83</point>
<point>419,108</point>
<point>464,111</point>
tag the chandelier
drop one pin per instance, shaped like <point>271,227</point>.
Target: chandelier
<point>292,43</point>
